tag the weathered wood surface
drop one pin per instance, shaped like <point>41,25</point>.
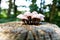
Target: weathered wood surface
<point>17,31</point>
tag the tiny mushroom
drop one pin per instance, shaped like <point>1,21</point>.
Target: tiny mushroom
<point>23,18</point>
<point>41,17</point>
<point>38,16</point>
<point>28,15</point>
<point>31,18</point>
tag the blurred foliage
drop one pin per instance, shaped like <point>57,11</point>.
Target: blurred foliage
<point>33,6</point>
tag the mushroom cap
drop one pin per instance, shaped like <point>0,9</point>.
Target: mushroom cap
<point>21,16</point>
<point>42,19</point>
<point>27,14</point>
<point>35,16</point>
<point>34,13</point>
<point>39,16</point>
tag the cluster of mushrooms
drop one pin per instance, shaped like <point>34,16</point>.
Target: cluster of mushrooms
<point>31,18</point>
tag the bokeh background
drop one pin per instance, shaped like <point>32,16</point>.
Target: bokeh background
<point>9,9</point>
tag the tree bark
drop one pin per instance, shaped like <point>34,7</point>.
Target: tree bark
<point>53,11</point>
<point>9,10</point>
<point>0,6</point>
<point>15,9</point>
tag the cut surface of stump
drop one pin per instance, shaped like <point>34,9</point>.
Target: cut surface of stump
<point>17,31</point>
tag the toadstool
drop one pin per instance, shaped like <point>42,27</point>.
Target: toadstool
<point>31,18</point>
<point>23,18</point>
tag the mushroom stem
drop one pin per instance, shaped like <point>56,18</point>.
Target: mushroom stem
<point>29,19</point>
<point>36,21</point>
<point>25,21</point>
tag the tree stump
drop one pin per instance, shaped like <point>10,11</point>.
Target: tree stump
<point>18,31</point>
